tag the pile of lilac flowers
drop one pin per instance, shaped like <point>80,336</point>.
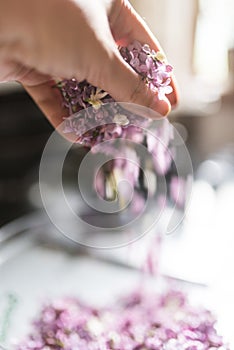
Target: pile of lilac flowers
<point>140,321</point>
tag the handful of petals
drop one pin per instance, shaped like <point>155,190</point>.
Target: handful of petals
<point>78,96</point>
<point>96,117</point>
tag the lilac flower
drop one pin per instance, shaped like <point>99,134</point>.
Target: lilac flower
<point>137,204</point>
<point>178,191</point>
<point>96,97</point>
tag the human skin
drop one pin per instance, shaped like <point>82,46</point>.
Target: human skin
<point>44,40</point>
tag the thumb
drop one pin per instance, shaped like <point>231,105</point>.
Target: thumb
<point>125,85</point>
<point>127,26</point>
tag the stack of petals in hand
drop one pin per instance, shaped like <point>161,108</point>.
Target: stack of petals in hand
<point>96,117</point>
<point>114,121</point>
<point>148,321</point>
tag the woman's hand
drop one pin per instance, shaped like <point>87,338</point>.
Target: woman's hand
<point>49,39</point>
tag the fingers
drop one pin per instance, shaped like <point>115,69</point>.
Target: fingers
<point>125,85</point>
<point>128,26</point>
<point>122,82</point>
<point>49,101</point>
<point>41,88</point>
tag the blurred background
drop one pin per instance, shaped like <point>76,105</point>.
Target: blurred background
<point>198,38</point>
